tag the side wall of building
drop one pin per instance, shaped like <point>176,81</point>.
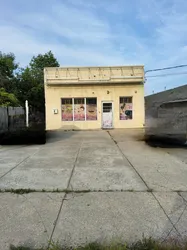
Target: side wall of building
<point>152,102</point>
<point>169,120</point>
<point>53,95</point>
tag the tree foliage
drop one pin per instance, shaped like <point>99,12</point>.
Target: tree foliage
<point>31,80</point>
<point>8,99</point>
<point>18,85</point>
<point>38,63</point>
<point>7,69</point>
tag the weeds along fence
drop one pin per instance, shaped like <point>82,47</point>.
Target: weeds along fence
<point>14,118</point>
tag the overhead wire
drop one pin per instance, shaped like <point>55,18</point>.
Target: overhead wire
<point>166,68</point>
<point>169,74</point>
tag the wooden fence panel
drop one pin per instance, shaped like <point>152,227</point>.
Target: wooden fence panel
<point>16,118</point>
<point>3,119</point>
<point>11,118</point>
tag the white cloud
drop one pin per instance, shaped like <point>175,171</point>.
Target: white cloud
<point>100,33</point>
<point>25,46</point>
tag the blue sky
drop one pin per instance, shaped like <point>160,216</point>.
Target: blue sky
<point>100,32</point>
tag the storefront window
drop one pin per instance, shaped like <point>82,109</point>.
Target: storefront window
<point>126,108</point>
<point>67,109</point>
<point>91,109</point>
<point>79,109</point>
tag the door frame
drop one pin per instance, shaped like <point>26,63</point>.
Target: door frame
<point>102,113</point>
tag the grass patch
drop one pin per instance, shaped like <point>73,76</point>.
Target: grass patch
<point>67,191</point>
<point>27,191</point>
<point>150,190</point>
<point>18,191</point>
<point>144,244</point>
<point>78,191</point>
<point>129,190</point>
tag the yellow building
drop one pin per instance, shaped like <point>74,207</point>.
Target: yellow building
<point>94,97</point>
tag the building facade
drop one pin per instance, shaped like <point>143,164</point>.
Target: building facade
<point>94,97</point>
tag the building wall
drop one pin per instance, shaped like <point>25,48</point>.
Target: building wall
<point>167,121</point>
<point>111,92</point>
<point>152,102</point>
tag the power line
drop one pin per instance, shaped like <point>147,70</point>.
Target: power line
<point>170,74</point>
<point>167,68</point>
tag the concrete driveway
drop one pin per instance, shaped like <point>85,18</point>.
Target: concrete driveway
<point>92,185</point>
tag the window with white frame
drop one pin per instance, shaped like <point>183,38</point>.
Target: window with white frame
<point>79,109</point>
<point>126,108</point>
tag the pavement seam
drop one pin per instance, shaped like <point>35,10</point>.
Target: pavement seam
<point>64,197</point>
<point>48,191</point>
<point>184,200</point>
<point>173,225</point>
<point>19,164</point>
<point>182,211</point>
<point>179,193</point>
<point>124,156</point>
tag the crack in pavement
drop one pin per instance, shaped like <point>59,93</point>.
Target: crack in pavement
<point>24,160</point>
<point>125,157</point>
<point>47,194</point>
<point>179,193</point>
<point>183,209</point>
<point>65,195</point>
<point>179,218</point>
<point>162,174</point>
<point>184,200</point>
<point>173,225</point>
<point>39,215</point>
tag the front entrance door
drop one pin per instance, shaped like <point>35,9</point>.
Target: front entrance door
<point>107,115</point>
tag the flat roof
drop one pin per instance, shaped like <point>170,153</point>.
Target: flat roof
<point>87,67</point>
<point>93,74</point>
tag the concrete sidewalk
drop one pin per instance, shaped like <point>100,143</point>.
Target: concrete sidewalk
<point>118,187</point>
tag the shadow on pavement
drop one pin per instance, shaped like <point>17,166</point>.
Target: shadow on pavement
<point>165,141</point>
<point>32,135</point>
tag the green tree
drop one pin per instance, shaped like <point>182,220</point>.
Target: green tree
<point>7,70</point>
<point>8,99</point>
<point>39,62</point>
<point>24,83</point>
<point>30,85</point>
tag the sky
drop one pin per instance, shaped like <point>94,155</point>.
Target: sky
<point>100,33</point>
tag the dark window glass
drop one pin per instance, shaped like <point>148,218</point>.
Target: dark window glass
<point>91,109</point>
<point>107,107</point>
